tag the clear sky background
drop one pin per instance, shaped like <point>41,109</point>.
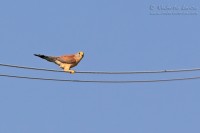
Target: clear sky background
<point>116,35</point>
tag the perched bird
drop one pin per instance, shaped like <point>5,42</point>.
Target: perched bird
<point>65,62</point>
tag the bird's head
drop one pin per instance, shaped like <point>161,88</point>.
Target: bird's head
<point>81,54</point>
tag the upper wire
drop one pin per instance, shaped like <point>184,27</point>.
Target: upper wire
<point>104,72</point>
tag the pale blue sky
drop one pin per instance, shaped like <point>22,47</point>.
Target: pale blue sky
<point>116,35</point>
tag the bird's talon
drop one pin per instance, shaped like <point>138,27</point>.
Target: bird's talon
<point>72,71</point>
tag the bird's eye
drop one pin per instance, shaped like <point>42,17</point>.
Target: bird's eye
<point>81,53</point>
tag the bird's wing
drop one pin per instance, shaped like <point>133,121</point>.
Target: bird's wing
<point>69,59</point>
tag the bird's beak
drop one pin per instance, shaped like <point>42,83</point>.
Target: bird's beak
<point>81,53</point>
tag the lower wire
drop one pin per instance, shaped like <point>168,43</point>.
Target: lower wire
<point>101,81</point>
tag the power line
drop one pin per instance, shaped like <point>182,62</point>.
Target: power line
<point>103,72</point>
<point>102,81</point>
<point>32,68</point>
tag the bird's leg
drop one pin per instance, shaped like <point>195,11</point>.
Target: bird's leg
<point>58,63</point>
<point>61,65</point>
<point>67,69</point>
<point>64,66</point>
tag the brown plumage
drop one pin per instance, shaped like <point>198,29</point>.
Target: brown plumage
<point>65,62</point>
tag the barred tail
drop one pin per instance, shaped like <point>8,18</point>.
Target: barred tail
<point>48,58</point>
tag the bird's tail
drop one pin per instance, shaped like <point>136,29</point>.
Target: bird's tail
<point>48,58</point>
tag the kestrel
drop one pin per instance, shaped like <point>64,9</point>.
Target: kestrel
<point>66,62</point>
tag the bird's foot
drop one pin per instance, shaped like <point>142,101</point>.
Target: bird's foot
<point>71,71</point>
